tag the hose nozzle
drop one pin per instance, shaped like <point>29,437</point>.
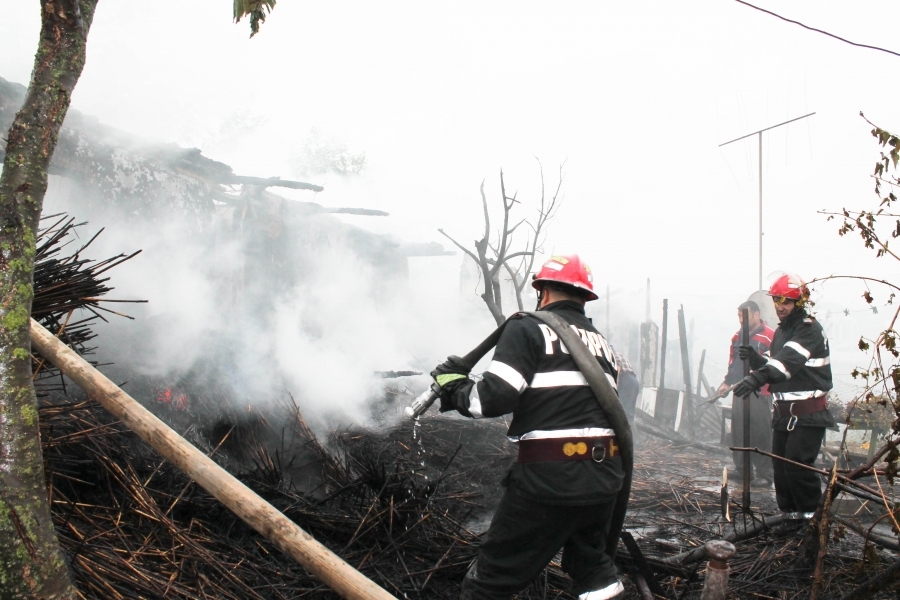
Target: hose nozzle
<point>423,402</point>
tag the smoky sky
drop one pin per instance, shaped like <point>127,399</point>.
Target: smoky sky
<point>633,98</point>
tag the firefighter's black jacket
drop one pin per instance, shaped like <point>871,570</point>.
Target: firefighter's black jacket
<point>535,379</point>
<point>799,368</point>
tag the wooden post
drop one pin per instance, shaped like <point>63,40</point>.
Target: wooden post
<point>662,351</point>
<point>716,585</point>
<point>688,408</point>
<point>649,353</point>
<point>700,375</point>
<point>253,510</point>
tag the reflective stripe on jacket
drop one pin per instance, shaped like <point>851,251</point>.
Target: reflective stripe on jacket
<point>799,367</point>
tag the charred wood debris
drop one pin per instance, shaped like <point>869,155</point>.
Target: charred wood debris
<point>404,503</point>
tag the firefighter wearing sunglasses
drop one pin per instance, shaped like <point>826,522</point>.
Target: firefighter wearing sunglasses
<point>797,370</point>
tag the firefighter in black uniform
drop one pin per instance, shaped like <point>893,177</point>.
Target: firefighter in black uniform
<point>798,371</point>
<point>561,490</point>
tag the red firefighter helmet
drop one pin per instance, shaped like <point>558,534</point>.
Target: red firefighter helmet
<point>569,270</point>
<point>789,286</point>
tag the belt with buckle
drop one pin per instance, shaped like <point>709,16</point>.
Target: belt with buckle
<point>798,408</point>
<point>563,449</point>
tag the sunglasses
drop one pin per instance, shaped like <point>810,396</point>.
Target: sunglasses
<point>779,300</point>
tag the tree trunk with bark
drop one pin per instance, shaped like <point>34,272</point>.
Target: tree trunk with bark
<point>31,563</point>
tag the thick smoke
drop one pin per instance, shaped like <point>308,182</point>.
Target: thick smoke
<point>247,323</point>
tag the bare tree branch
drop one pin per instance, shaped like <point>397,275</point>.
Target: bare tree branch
<point>818,279</point>
<point>487,215</point>
<point>490,266</point>
<point>458,245</point>
<point>545,213</point>
<point>509,257</point>
<point>504,235</point>
<point>512,275</point>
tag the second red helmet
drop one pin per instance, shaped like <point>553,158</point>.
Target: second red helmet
<point>789,286</point>
<point>569,270</point>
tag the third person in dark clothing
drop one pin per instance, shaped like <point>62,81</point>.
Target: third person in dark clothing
<point>760,405</point>
<point>629,386</point>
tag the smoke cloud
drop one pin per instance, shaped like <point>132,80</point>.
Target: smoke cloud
<point>245,322</point>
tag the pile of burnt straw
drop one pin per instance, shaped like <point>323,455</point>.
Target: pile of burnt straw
<point>404,505</point>
<point>400,511</point>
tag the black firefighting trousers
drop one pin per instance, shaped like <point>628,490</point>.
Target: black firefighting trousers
<point>523,538</point>
<point>797,489</point>
<point>760,434</point>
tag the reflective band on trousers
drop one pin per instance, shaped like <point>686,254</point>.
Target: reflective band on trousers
<point>611,591</point>
<point>794,396</point>
<point>586,432</point>
<point>798,515</point>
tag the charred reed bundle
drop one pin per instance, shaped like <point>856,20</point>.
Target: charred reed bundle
<point>68,291</point>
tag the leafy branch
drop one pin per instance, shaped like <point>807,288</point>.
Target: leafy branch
<point>255,9</point>
<point>877,404</point>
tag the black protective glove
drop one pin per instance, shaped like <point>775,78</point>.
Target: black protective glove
<point>749,384</point>
<point>756,360</point>
<point>450,375</point>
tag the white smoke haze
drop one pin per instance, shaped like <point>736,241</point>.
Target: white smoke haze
<point>319,340</point>
<point>635,97</point>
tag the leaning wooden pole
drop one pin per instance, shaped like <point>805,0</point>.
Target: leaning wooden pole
<point>253,510</point>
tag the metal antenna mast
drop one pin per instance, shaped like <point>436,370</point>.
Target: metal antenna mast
<point>759,133</point>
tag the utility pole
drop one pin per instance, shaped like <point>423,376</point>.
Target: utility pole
<point>759,140</point>
<point>647,311</point>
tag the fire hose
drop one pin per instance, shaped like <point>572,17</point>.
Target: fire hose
<point>253,510</point>
<point>599,384</point>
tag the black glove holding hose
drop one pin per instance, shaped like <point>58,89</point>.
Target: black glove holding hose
<point>451,375</point>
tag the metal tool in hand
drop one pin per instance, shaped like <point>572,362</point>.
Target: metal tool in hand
<point>429,396</point>
<point>720,395</point>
